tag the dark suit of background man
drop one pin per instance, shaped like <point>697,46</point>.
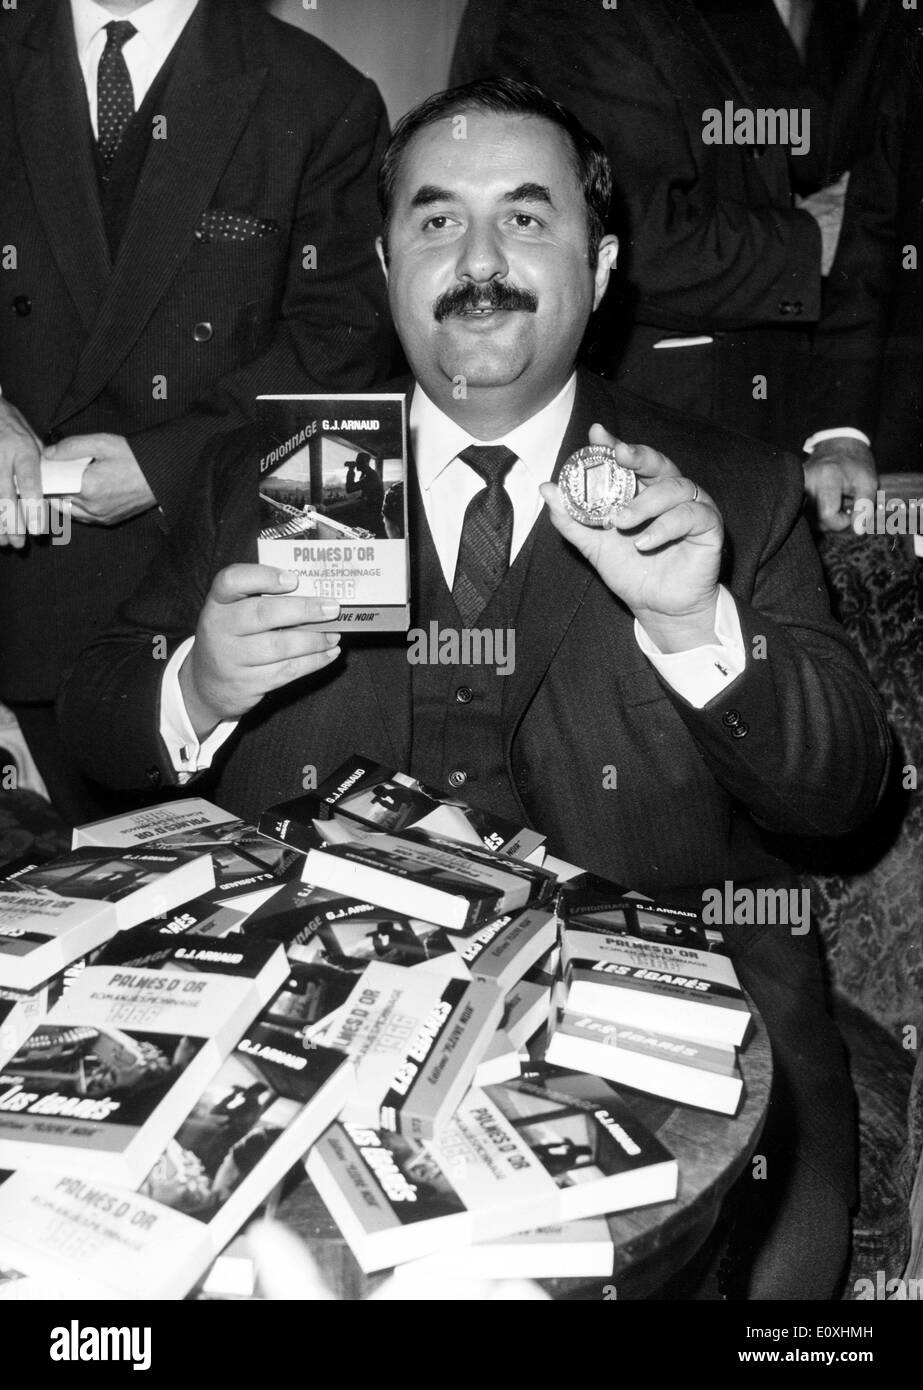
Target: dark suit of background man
<point>163,277</point>
<point>632,644</point>
<point>720,277</point>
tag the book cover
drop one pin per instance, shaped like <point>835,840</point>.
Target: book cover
<point>151,823</point>
<point>252,1123</point>
<point>69,1236</point>
<point>204,917</point>
<point>20,1011</point>
<point>654,984</point>
<point>314,924</point>
<point>551,1146</point>
<point>332,478</point>
<point>571,1250</point>
<point>138,883</point>
<point>101,1082</point>
<point>380,798</point>
<point>428,876</point>
<point>41,933</point>
<point>416,1039</point>
<point>695,1073</point>
<point>52,914</point>
<point>503,952</point>
<point>248,866</point>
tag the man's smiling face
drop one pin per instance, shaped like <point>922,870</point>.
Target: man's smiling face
<point>488,274</point>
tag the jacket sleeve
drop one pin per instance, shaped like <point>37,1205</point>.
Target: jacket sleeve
<point>800,737</point>
<point>109,704</point>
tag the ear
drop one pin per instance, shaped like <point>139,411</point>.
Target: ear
<point>382,255</point>
<point>605,264</point>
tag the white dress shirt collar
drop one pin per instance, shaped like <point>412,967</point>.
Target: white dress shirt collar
<point>437,440</point>
<point>159,23</point>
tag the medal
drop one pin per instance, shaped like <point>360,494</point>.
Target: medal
<point>594,484</point>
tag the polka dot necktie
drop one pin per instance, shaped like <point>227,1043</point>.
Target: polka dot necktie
<point>114,93</point>
<point>487,531</point>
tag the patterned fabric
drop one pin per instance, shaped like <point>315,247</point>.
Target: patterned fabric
<point>487,531</point>
<point>882,1073</point>
<point>868,901</point>
<point>30,829</point>
<point>114,92</point>
<point>220,224</point>
<point>868,895</point>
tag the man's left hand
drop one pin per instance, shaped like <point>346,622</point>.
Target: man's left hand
<point>837,474</point>
<point>663,556</point>
<point>113,488</point>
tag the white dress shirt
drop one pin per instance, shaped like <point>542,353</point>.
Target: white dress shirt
<point>159,24</point>
<point>447,485</point>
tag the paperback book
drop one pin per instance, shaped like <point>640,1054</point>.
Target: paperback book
<point>571,1250</point>
<point>549,1147</point>
<point>332,478</point>
<point>695,1073</point>
<point>52,914</point>
<point>379,798</point>
<point>152,823</point>
<point>100,1083</point>
<point>428,876</point>
<point>254,1120</point>
<point>416,1039</point>
<point>651,984</point>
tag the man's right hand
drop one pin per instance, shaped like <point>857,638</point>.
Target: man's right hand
<point>20,478</point>
<point>253,636</point>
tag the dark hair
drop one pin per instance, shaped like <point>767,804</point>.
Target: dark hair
<point>509,97</point>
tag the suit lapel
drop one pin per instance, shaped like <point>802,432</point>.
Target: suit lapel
<point>557,579</point>
<point>53,126</point>
<point>208,103</point>
<point>690,29</point>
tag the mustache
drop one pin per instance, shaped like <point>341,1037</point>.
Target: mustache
<point>496,294</point>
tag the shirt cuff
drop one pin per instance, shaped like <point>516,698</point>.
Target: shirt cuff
<point>187,755</point>
<point>846,432</point>
<point>703,672</point>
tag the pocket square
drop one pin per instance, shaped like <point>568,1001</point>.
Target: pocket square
<point>220,224</point>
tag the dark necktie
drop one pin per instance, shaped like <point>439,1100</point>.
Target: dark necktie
<point>487,531</point>
<point>115,98</point>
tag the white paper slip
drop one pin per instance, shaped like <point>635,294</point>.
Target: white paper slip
<point>701,341</point>
<point>61,476</point>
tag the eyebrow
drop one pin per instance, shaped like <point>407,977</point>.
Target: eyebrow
<point>429,193</point>
<point>529,193</point>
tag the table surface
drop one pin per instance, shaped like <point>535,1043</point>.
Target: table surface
<point>651,1243</point>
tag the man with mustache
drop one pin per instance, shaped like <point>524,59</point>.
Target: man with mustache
<point>689,648</point>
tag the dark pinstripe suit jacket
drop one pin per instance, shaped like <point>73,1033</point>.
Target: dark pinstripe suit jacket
<point>582,695</point>
<point>261,120</point>
<point>698,791</point>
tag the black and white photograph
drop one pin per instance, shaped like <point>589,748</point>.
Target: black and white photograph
<point>510,410</point>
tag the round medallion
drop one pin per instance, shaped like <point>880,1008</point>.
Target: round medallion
<point>594,485</point>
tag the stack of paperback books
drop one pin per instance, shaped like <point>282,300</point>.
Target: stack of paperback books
<point>648,999</point>
<point>377,984</point>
